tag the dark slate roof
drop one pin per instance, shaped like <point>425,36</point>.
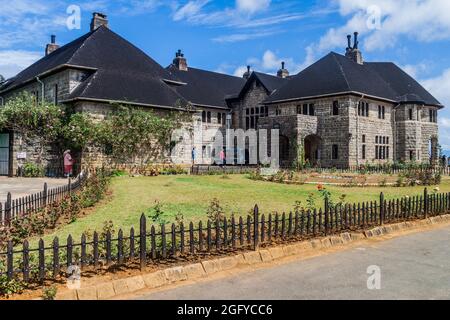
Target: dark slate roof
<point>121,72</point>
<point>407,89</point>
<point>270,83</point>
<point>335,74</point>
<point>206,88</point>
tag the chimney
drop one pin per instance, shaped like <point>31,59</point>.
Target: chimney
<point>283,73</point>
<point>355,46</point>
<point>98,20</point>
<point>247,73</point>
<point>349,43</point>
<point>354,53</point>
<point>52,46</point>
<point>180,61</point>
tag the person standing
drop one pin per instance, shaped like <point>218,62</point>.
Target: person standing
<point>222,157</point>
<point>193,155</point>
<point>68,164</point>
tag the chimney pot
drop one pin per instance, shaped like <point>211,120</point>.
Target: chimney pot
<point>98,20</point>
<point>53,39</point>
<point>355,46</point>
<point>349,40</point>
<point>353,53</point>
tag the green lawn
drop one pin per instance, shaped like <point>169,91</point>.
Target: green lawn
<point>191,196</point>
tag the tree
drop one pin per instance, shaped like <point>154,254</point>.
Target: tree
<point>2,79</point>
<point>37,124</point>
<point>132,134</point>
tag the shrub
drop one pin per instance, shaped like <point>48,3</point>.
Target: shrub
<point>215,211</point>
<point>10,287</point>
<point>65,210</point>
<point>157,214</point>
<point>118,173</point>
<point>32,170</point>
<point>49,293</point>
<point>256,175</point>
<point>383,182</point>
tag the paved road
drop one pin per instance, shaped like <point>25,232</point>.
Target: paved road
<point>415,266</point>
<point>20,187</point>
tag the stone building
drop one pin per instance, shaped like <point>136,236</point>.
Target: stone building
<point>341,110</point>
<point>346,112</point>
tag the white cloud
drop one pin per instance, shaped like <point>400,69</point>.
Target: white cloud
<point>237,37</point>
<point>252,6</point>
<point>422,20</point>
<point>189,10</point>
<point>440,88</point>
<point>245,14</point>
<point>270,63</point>
<point>13,61</point>
<point>239,72</point>
<point>415,70</point>
<point>25,22</point>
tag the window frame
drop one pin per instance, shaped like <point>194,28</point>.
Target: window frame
<point>335,108</point>
<point>335,152</point>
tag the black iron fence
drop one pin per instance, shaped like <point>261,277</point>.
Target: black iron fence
<point>381,169</point>
<point>206,169</point>
<point>18,208</point>
<point>156,244</point>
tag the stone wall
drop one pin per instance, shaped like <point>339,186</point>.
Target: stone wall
<point>330,130</point>
<point>367,129</point>
<point>416,137</point>
<point>48,156</point>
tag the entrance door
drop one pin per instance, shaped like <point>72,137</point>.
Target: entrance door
<point>4,154</point>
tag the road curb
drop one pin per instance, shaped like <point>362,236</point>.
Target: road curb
<point>161,278</point>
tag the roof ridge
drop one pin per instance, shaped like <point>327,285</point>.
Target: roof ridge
<point>87,37</point>
<point>342,71</point>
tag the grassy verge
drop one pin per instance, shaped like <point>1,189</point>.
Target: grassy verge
<point>191,196</point>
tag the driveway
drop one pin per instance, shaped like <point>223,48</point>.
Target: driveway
<point>415,266</point>
<point>20,187</point>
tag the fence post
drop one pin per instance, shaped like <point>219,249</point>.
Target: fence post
<point>8,209</point>
<point>256,227</point>
<point>10,261</point>
<point>45,194</point>
<point>382,208</point>
<point>327,211</point>
<point>70,186</point>
<point>425,202</point>
<point>143,242</point>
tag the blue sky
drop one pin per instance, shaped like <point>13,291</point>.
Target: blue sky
<point>225,36</point>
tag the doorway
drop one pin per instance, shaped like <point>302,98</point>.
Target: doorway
<point>4,153</point>
<point>312,152</point>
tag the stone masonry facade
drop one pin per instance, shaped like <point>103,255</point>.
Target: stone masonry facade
<point>338,130</point>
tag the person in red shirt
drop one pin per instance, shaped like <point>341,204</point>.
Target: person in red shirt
<point>68,164</point>
<point>222,158</point>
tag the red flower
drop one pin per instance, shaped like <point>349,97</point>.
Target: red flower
<point>320,187</point>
